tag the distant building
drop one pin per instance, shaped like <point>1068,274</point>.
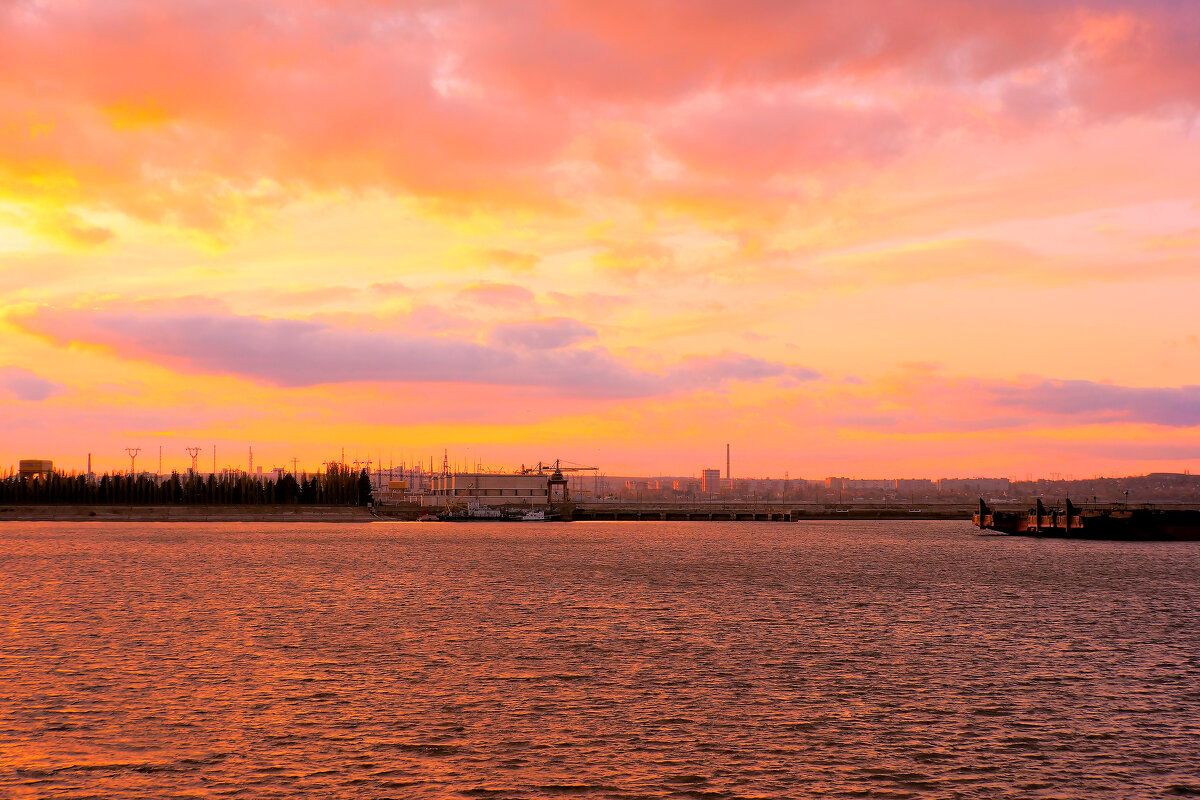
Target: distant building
<point>710,481</point>
<point>394,492</point>
<point>35,468</point>
<point>858,483</point>
<point>973,485</point>
<point>490,489</point>
<point>914,485</point>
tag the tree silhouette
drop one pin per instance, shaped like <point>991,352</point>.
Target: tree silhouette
<point>364,488</point>
<point>338,486</point>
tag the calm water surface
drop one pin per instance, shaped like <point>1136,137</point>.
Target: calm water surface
<point>617,660</point>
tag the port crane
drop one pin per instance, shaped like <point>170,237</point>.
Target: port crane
<point>556,477</point>
<point>542,467</point>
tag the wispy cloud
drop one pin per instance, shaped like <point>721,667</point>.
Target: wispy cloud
<point>496,294</point>
<point>305,353</point>
<point>24,384</point>
<point>1087,401</point>
<point>545,334</point>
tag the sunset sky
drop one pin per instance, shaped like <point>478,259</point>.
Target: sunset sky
<point>867,239</point>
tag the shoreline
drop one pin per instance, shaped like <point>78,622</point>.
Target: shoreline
<point>184,513</point>
<point>392,513</point>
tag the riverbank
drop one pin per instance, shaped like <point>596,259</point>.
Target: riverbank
<point>185,513</point>
<point>410,511</point>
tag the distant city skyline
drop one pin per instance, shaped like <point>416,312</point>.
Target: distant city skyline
<point>433,463</point>
<point>843,239</point>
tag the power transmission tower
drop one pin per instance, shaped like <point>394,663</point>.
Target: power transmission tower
<point>194,452</point>
<point>133,454</point>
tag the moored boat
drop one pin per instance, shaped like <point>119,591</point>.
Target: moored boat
<point>476,512</point>
<point>1116,521</point>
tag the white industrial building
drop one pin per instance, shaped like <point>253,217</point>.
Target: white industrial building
<point>493,489</point>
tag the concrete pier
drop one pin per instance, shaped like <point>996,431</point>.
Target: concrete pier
<point>760,512</point>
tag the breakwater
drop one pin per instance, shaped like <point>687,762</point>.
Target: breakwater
<point>762,512</point>
<point>596,511</point>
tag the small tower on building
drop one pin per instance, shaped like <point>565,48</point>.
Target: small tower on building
<point>557,486</point>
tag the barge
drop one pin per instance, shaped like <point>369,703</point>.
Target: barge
<point>472,512</point>
<point>1117,522</point>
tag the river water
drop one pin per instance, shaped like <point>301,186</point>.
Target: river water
<point>614,660</point>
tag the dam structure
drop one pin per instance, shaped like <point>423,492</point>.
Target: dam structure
<point>760,511</point>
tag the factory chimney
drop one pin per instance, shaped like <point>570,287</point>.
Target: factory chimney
<point>727,475</point>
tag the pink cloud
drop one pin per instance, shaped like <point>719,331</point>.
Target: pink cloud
<point>23,384</point>
<point>627,50</point>
<point>1137,58</point>
<point>543,334</point>
<point>295,353</point>
<point>175,112</point>
<point>391,288</point>
<point>765,137</point>
<point>496,294</point>
<point>922,400</point>
<point>1088,401</point>
<point>587,301</point>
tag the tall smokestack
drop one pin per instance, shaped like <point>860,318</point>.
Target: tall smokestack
<point>727,475</point>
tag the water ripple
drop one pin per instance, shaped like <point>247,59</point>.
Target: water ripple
<point>664,660</point>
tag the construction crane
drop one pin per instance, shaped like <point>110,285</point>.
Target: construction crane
<point>542,467</point>
<point>557,489</point>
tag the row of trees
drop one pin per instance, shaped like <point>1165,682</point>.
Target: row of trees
<point>339,486</point>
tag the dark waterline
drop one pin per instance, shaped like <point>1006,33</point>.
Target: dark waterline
<point>621,660</point>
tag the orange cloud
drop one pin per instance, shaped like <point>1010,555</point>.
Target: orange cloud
<point>196,115</point>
